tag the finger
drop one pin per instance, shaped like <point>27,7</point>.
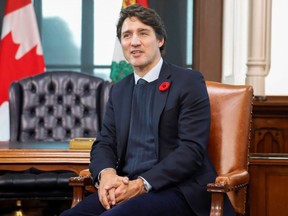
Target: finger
<point>125,180</point>
<point>109,187</point>
<point>112,198</point>
<point>103,198</point>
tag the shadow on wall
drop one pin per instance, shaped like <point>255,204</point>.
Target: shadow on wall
<point>58,44</point>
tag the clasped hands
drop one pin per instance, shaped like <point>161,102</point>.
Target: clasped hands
<point>114,189</point>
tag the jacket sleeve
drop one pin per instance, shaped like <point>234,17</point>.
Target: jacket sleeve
<point>103,152</point>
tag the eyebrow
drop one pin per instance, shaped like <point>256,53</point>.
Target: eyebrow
<point>144,29</point>
<point>138,30</point>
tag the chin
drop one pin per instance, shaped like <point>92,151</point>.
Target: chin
<point>138,63</point>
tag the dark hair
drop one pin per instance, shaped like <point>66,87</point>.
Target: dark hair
<point>147,16</point>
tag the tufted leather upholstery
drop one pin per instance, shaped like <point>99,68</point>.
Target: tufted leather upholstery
<point>52,106</point>
<point>56,106</point>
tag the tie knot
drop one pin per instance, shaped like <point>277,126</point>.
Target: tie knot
<point>141,81</point>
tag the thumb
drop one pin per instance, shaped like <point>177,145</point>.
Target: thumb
<point>125,180</point>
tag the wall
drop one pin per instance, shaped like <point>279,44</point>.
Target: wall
<point>235,45</point>
<point>276,81</point>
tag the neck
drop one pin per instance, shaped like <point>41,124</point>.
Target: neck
<point>143,70</point>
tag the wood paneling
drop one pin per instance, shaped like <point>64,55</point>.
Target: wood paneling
<point>268,163</point>
<point>270,125</point>
<point>207,42</point>
<point>268,186</point>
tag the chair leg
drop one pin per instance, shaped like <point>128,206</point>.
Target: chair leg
<point>78,195</point>
<point>217,204</point>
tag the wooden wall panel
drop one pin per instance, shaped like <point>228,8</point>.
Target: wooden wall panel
<point>268,193</point>
<point>207,41</point>
<point>270,125</point>
<point>268,162</point>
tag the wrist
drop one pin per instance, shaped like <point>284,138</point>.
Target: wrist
<point>100,175</point>
<point>104,172</point>
<point>146,184</point>
<point>141,186</point>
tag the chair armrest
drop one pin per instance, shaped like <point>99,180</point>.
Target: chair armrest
<point>234,179</point>
<point>83,179</point>
<point>81,185</point>
<point>231,182</point>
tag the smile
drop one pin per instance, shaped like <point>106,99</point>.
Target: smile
<point>136,52</point>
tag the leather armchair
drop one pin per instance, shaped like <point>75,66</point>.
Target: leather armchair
<point>51,107</point>
<point>231,115</point>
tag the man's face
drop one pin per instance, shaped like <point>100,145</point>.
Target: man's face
<point>140,45</point>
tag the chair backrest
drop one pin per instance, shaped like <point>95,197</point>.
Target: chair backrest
<point>231,114</point>
<point>56,106</point>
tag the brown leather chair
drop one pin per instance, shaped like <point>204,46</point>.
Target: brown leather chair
<point>231,112</point>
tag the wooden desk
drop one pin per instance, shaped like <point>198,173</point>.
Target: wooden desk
<point>46,156</point>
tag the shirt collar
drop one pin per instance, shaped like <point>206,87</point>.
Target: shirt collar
<point>153,74</point>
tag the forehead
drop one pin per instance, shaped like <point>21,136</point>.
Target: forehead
<point>133,23</point>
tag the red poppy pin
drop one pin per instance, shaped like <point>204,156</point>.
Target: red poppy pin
<point>164,86</point>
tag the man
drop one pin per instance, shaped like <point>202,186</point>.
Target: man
<point>150,157</point>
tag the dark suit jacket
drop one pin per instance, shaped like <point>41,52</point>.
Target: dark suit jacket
<point>181,123</point>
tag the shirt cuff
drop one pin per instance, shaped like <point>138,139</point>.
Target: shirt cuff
<point>147,186</point>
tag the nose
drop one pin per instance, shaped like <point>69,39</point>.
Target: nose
<point>135,41</point>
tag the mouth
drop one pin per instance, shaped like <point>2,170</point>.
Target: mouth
<point>136,52</point>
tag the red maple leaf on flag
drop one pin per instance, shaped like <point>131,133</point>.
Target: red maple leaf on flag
<point>20,48</point>
<point>12,69</point>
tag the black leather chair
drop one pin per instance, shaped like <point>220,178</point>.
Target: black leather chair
<point>52,106</point>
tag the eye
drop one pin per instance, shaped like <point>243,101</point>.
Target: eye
<point>125,36</point>
<point>143,32</point>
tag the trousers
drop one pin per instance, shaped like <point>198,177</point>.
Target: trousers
<point>169,202</point>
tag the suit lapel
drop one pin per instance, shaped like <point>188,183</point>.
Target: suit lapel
<point>160,100</point>
<point>125,113</point>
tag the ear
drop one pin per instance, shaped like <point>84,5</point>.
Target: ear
<point>161,42</point>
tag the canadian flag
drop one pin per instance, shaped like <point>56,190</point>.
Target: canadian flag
<point>21,53</point>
